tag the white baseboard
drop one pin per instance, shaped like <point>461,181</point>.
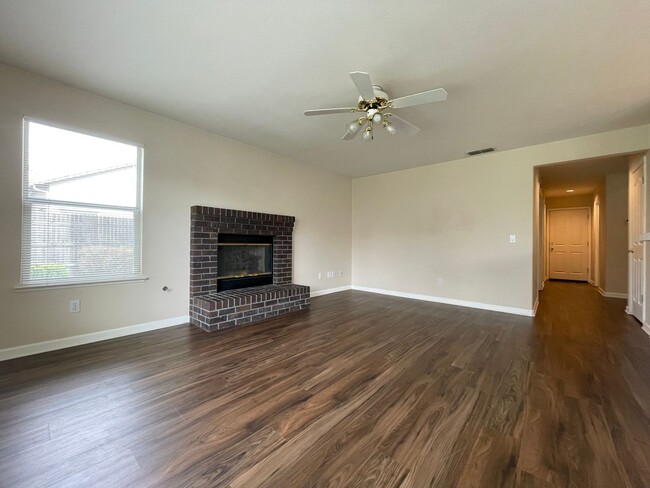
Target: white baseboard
<point>616,295</point>
<point>449,301</point>
<point>646,328</point>
<point>329,290</point>
<point>39,347</point>
<point>609,294</point>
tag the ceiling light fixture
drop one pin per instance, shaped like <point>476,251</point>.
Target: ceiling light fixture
<point>367,134</point>
<point>375,104</point>
<point>570,191</point>
<point>390,128</point>
<point>355,125</point>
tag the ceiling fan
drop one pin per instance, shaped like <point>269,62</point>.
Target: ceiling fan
<point>375,105</point>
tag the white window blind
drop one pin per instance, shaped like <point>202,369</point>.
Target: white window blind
<point>82,211</point>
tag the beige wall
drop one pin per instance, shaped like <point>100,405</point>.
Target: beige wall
<point>183,166</point>
<point>452,221</point>
<point>448,221</point>
<point>616,233</point>
<point>571,201</point>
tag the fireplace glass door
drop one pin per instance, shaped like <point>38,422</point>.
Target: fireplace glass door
<point>244,261</point>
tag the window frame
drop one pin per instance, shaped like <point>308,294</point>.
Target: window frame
<point>27,201</point>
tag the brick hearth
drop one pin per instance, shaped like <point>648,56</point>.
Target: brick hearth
<point>212,310</point>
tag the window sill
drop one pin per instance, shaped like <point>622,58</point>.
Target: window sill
<point>56,286</point>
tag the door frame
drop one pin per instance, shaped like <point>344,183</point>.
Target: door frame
<point>595,234</point>
<point>629,309</point>
<point>547,236</point>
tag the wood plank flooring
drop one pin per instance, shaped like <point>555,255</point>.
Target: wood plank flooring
<point>362,391</point>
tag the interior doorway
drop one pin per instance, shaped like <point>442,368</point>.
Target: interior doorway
<point>587,201</point>
<point>568,243</point>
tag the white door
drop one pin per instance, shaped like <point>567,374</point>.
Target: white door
<point>568,240</point>
<point>635,297</point>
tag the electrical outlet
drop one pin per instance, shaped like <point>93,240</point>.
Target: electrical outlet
<point>340,272</point>
<point>75,306</point>
<point>320,276</point>
<point>513,238</point>
<point>440,281</point>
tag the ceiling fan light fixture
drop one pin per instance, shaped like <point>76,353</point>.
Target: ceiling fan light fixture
<point>355,125</point>
<point>367,134</point>
<point>374,104</point>
<point>372,113</point>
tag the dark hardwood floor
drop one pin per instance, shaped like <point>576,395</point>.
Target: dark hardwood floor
<point>363,390</point>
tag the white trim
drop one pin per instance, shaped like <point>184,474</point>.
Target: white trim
<point>646,328</point>
<point>615,295</point>
<point>29,201</point>
<point>39,347</point>
<point>56,286</point>
<point>611,294</point>
<point>449,301</point>
<point>633,290</point>
<point>330,290</point>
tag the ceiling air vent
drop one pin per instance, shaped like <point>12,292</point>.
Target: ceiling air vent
<point>480,151</point>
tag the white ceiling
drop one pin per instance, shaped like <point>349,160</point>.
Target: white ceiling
<point>583,176</point>
<point>517,73</point>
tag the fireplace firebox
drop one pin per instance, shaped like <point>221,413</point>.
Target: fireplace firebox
<point>244,261</point>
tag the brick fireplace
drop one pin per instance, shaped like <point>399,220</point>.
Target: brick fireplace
<point>212,309</point>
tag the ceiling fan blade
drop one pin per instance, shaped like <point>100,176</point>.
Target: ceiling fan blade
<point>403,126</point>
<point>364,85</point>
<point>325,111</point>
<point>349,135</point>
<point>437,95</point>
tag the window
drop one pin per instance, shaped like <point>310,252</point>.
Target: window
<point>82,208</point>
